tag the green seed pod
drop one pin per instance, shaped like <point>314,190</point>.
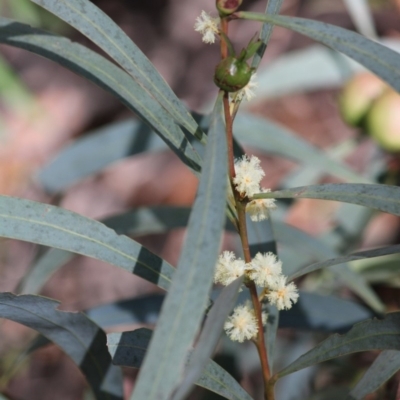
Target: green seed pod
<point>383,121</point>
<point>358,96</point>
<point>232,74</point>
<point>227,7</point>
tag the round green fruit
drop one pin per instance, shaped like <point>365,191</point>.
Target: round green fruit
<point>383,121</point>
<point>232,74</point>
<point>358,95</point>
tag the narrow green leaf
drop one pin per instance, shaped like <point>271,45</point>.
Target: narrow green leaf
<point>42,269</point>
<point>381,60</point>
<point>129,348</point>
<point>272,138</point>
<point>105,33</point>
<point>76,334</point>
<point>379,197</point>
<point>384,251</point>
<point>209,338</point>
<point>55,227</point>
<point>368,335</point>
<point>97,150</point>
<point>185,303</point>
<point>361,14</point>
<point>107,75</point>
<point>143,310</point>
<point>270,334</point>
<point>304,243</point>
<point>318,313</point>
<point>273,8</point>
<point>382,369</point>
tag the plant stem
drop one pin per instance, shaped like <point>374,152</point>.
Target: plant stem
<point>229,136</point>
<point>260,343</point>
<point>242,228</point>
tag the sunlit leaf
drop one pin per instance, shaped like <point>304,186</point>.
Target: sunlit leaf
<point>273,8</point>
<point>381,60</point>
<point>379,197</point>
<point>383,251</point>
<point>103,31</point>
<point>55,227</point>
<point>107,75</point>
<point>185,303</point>
<point>129,348</point>
<point>208,339</point>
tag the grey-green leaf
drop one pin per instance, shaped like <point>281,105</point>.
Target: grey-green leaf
<point>383,251</point>
<point>368,335</point>
<point>186,301</point>
<point>107,75</point>
<point>382,369</point>
<point>318,250</point>
<point>273,8</point>
<point>77,335</point>
<point>129,348</point>
<point>273,138</point>
<point>379,197</point>
<point>105,33</point>
<point>55,227</point>
<point>96,151</point>
<point>381,60</point>
<point>208,339</point>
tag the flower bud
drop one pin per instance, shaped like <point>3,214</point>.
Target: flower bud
<point>227,7</point>
<point>232,74</point>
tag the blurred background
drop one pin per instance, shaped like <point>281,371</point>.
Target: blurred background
<point>320,96</point>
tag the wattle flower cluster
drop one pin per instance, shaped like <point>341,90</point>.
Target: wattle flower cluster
<point>207,26</point>
<point>265,270</point>
<point>247,181</point>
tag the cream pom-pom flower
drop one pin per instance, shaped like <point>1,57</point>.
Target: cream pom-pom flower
<point>259,208</point>
<point>207,26</point>
<point>228,268</point>
<point>248,175</point>
<point>242,324</point>
<point>265,269</point>
<point>283,295</point>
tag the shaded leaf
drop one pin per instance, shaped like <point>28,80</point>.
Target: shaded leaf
<point>96,151</point>
<point>273,138</point>
<point>77,335</point>
<point>129,348</point>
<point>379,197</point>
<point>318,250</point>
<point>105,33</point>
<point>314,312</point>
<point>382,369</point>
<point>272,325</point>
<point>185,303</point>
<point>343,259</point>
<point>381,60</point>
<point>368,335</point>
<point>209,338</point>
<point>55,227</point>
<point>139,310</point>
<point>107,75</point>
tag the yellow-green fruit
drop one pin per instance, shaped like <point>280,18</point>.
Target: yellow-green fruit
<point>358,95</point>
<point>227,7</point>
<point>232,74</point>
<point>383,121</point>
